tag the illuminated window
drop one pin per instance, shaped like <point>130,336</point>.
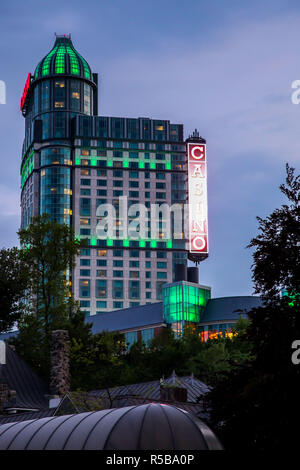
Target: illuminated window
<point>85,172</point>
<point>59,94</point>
<point>84,288</point>
<point>75,95</point>
<point>101,288</point>
<point>101,252</point>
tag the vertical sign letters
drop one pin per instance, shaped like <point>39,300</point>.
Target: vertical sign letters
<point>198,230</point>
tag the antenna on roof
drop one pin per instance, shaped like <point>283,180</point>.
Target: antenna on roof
<point>60,36</point>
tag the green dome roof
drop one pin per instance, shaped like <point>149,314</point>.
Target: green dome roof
<point>63,59</point>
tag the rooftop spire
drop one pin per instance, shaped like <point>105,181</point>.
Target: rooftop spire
<point>67,36</point>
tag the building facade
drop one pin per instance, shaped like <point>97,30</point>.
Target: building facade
<point>74,161</point>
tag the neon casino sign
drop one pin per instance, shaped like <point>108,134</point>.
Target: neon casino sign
<point>197,186</point>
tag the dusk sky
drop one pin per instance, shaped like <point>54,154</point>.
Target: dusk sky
<point>225,68</point>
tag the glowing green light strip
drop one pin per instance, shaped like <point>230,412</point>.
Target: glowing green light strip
<point>37,70</point>
<point>126,244</point>
<point>74,63</point>
<point>46,64</point>
<point>60,60</point>
<point>85,66</point>
<point>27,168</point>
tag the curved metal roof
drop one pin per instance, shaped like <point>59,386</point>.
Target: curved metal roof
<point>63,59</point>
<point>143,427</point>
<point>227,308</point>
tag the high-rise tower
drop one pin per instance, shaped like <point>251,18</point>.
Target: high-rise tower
<point>62,87</point>
<point>73,161</point>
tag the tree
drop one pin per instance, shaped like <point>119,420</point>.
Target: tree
<point>14,282</point>
<point>49,249</point>
<point>32,346</point>
<point>97,362</point>
<point>254,406</point>
<point>48,252</point>
<point>277,248</point>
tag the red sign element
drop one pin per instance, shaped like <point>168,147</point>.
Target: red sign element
<point>25,92</point>
<point>198,226</point>
<point>197,152</point>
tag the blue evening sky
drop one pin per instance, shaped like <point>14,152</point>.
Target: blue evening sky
<point>225,67</point>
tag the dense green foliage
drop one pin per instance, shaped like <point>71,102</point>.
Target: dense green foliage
<point>102,362</point>
<point>14,282</point>
<point>33,346</point>
<point>49,249</point>
<point>255,406</point>
<point>276,259</point>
